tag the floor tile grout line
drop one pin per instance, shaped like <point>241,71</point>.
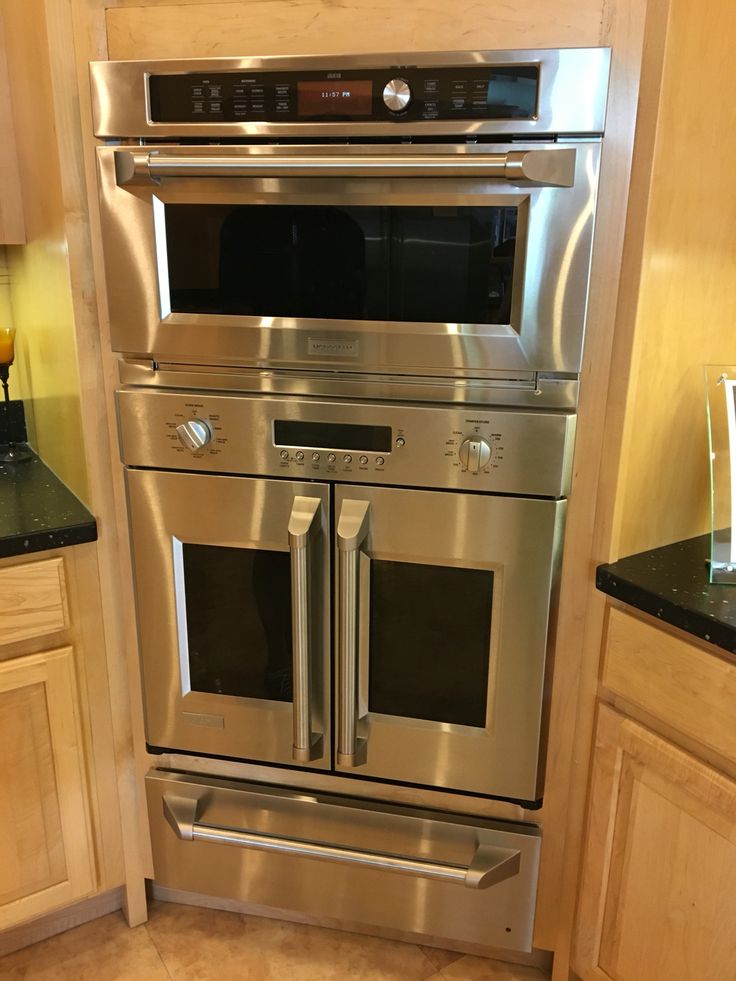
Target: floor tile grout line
<point>158,952</point>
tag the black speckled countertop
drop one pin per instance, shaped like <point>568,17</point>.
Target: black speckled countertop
<point>38,512</point>
<point>671,583</point>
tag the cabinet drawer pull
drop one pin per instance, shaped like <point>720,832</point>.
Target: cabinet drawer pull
<point>490,864</point>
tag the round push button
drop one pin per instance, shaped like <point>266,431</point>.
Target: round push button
<point>299,455</point>
<point>380,461</point>
<point>315,457</point>
<point>347,458</point>
<point>364,460</point>
<point>284,454</point>
<point>331,457</point>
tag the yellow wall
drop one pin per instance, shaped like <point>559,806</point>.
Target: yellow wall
<point>45,373</point>
<point>687,306</point>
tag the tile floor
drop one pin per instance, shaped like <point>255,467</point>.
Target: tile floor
<point>191,944</point>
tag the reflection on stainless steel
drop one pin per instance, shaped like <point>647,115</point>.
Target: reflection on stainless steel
<point>354,876</point>
<point>488,867</point>
<point>352,531</point>
<point>546,168</point>
<point>303,526</point>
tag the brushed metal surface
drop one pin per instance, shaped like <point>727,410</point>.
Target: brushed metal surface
<point>167,509</point>
<point>531,451</point>
<point>501,915</point>
<point>525,389</point>
<point>517,539</point>
<point>543,167</point>
<point>549,298</point>
<point>487,867</point>
<point>572,94</point>
<point>303,525</point>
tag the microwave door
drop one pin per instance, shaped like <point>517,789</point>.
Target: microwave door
<point>376,259</point>
<point>231,583</point>
<point>441,636</point>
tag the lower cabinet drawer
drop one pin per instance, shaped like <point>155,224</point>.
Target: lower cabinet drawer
<point>32,600</point>
<point>392,867</point>
<point>688,688</point>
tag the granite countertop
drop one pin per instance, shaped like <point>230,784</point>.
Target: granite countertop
<point>38,511</point>
<point>671,583</point>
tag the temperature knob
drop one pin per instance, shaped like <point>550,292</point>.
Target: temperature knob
<point>474,454</point>
<point>397,95</point>
<point>194,434</point>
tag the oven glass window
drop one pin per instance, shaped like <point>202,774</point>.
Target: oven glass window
<point>430,630</point>
<point>238,618</point>
<point>420,264</point>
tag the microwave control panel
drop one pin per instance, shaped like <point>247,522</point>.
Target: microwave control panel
<point>445,447</point>
<point>401,94</point>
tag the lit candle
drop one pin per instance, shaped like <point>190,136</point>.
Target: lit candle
<point>7,337</point>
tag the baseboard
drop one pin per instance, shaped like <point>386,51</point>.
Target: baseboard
<point>537,958</point>
<point>59,921</point>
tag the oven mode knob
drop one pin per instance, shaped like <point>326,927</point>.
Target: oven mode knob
<point>194,434</point>
<point>397,95</point>
<point>474,454</point>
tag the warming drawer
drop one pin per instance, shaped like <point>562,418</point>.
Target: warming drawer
<point>335,858</point>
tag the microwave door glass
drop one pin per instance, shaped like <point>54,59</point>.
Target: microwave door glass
<point>332,262</point>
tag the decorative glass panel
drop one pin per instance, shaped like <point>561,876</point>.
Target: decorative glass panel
<point>430,630</point>
<point>721,403</point>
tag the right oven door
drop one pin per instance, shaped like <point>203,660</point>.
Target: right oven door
<point>442,614</point>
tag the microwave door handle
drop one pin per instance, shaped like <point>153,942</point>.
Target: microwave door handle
<point>304,523</point>
<point>352,531</point>
<point>541,168</point>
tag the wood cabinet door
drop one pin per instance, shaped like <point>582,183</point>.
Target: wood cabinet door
<point>45,845</point>
<point>659,875</point>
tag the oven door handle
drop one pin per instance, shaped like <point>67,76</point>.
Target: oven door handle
<point>304,523</point>
<point>490,865</point>
<point>352,531</point>
<point>543,168</point>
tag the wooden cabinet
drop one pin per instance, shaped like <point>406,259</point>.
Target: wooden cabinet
<point>659,869</point>
<point>60,833</point>
<point>45,843</point>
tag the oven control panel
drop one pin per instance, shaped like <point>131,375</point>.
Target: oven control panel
<point>401,94</point>
<point>501,451</point>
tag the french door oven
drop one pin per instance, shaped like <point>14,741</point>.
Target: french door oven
<point>383,632</point>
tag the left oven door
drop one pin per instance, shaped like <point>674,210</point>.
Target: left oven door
<point>232,577</point>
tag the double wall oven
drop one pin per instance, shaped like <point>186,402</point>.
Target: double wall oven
<point>349,297</point>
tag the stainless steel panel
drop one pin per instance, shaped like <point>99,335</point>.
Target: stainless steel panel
<point>524,390</point>
<point>531,452</point>
<point>573,84</point>
<point>549,295</point>
<point>168,509</point>
<point>519,540</point>
<point>328,829</point>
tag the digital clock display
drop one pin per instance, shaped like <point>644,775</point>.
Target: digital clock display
<point>335,98</point>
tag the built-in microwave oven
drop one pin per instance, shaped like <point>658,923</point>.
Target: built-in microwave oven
<point>415,246</point>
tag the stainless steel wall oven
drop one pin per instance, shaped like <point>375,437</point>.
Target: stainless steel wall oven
<point>349,296</point>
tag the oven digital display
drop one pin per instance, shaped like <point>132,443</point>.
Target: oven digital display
<point>332,436</point>
<point>350,97</point>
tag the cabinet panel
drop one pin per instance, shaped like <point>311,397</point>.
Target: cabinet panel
<point>688,688</point>
<point>32,600</point>
<point>660,866</point>
<point>45,847</point>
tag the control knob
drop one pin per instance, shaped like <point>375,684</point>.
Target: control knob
<point>397,94</point>
<point>474,454</point>
<point>194,434</point>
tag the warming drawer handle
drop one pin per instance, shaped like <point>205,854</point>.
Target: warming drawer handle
<point>303,525</point>
<point>490,865</point>
<point>352,531</point>
<point>543,167</point>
